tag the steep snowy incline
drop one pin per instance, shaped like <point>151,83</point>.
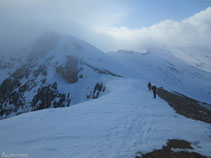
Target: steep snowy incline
<point>58,71</point>
<point>199,58</point>
<point>118,124</point>
<point>164,69</point>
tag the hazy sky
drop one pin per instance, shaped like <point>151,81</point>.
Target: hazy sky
<point>109,24</point>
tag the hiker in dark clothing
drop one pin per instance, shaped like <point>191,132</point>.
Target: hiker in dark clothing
<point>154,89</point>
<point>149,86</point>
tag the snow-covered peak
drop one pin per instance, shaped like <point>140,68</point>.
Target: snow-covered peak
<point>60,70</point>
<point>61,67</point>
<point>56,44</point>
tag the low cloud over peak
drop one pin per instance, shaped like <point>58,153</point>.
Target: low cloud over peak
<point>104,24</point>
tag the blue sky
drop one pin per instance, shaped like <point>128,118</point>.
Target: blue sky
<point>148,12</point>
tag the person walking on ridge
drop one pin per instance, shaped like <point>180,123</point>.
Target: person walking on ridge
<point>154,89</point>
<point>149,85</point>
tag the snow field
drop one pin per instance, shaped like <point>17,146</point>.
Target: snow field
<point>119,124</point>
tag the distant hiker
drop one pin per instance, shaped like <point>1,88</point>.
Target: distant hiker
<point>154,89</point>
<point>149,86</point>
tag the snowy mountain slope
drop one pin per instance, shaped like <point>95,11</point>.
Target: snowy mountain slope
<point>119,124</point>
<point>166,70</point>
<point>58,71</point>
<point>199,58</point>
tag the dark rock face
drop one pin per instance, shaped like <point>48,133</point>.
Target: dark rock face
<point>186,106</point>
<point>28,88</point>
<point>49,96</point>
<point>98,88</point>
<point>13,89</point>
<point>166,151</point>
<point>70,70</point>
<point>11,94</point>
<point>104,71</point>
<point>12,98</point>
<point>21,73</point>
<point>42,70</point>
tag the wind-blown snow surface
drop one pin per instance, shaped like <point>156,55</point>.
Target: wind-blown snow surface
<point>123,121</point>
<point>59,71</point>
<point>118,124</point>
<point>162,68</point>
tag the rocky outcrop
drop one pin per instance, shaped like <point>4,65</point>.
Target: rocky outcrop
<point>97,90</point>
<point>48,74</point>
<point>22,72</point>
<point>186,106</point>
<point>101,71</point>
<point>70,70</point>
<point>29,88</point>
<point>49,97</point>
<point>11,97</point>
<point>168,151</point>
<point>13,91</point>
<point>41,70</point>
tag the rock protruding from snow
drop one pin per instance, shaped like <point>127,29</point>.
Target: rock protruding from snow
<point>70,70</point>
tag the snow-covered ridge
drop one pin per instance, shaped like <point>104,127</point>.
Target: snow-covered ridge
<point>119,124</point>
<point>167,70</point>
<point>63,71</point>
<point>60,70</point>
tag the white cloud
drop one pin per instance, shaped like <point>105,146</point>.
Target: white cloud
<point>95,21</point>
<point>194,31</point>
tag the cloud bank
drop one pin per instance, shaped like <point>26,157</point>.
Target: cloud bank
<point>24,20</point>
<point>194,31</point>
<point>97,22</point>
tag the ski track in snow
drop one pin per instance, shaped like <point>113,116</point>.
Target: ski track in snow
<point>119,124</point>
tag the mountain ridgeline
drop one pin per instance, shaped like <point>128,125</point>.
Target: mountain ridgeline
<point>60,71</point>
